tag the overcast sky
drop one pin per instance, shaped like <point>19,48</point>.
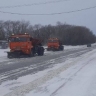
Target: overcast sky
<point>82,18</point>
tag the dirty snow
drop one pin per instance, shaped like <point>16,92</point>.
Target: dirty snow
<point>74,77</point>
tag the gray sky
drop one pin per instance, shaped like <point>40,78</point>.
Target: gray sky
<point>83,18</point>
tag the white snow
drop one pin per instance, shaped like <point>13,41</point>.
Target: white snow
<point>3,55</point>
<point>3,52</point>
<point>74,77</point>
<point>77,80</point>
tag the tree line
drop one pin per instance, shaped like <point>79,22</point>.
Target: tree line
<point>68,34</point>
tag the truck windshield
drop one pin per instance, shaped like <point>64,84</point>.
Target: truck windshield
<point>17,39</point>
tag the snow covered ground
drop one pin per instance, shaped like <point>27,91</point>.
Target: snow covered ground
<point>74,77</point>
<point>3,52</point>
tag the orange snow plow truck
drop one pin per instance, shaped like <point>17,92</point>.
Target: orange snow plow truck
<point>24,44</point>
<point>54,44</point>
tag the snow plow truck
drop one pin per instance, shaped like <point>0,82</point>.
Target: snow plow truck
<point>24,44</point>
<point>54,44</point>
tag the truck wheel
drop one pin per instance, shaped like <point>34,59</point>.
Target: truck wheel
<point>62,48</point>
<point>40,51</point>
<point>31,54</point>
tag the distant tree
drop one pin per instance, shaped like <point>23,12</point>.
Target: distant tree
<point>68,34</point>
<point>2,33</point>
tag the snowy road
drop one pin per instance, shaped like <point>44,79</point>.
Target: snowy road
<point>15,68</point>
<point>70,73</point>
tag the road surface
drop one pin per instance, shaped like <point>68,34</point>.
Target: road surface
<point>11,69</point>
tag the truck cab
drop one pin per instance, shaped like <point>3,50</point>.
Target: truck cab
<point>54,44</point>
<point>20,42</point>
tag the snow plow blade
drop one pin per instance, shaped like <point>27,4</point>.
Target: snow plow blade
<point>13,54</point>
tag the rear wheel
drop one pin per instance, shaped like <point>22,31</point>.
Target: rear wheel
<point>61,48</point>
<point>40,51</point>
<point>31,53</point>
